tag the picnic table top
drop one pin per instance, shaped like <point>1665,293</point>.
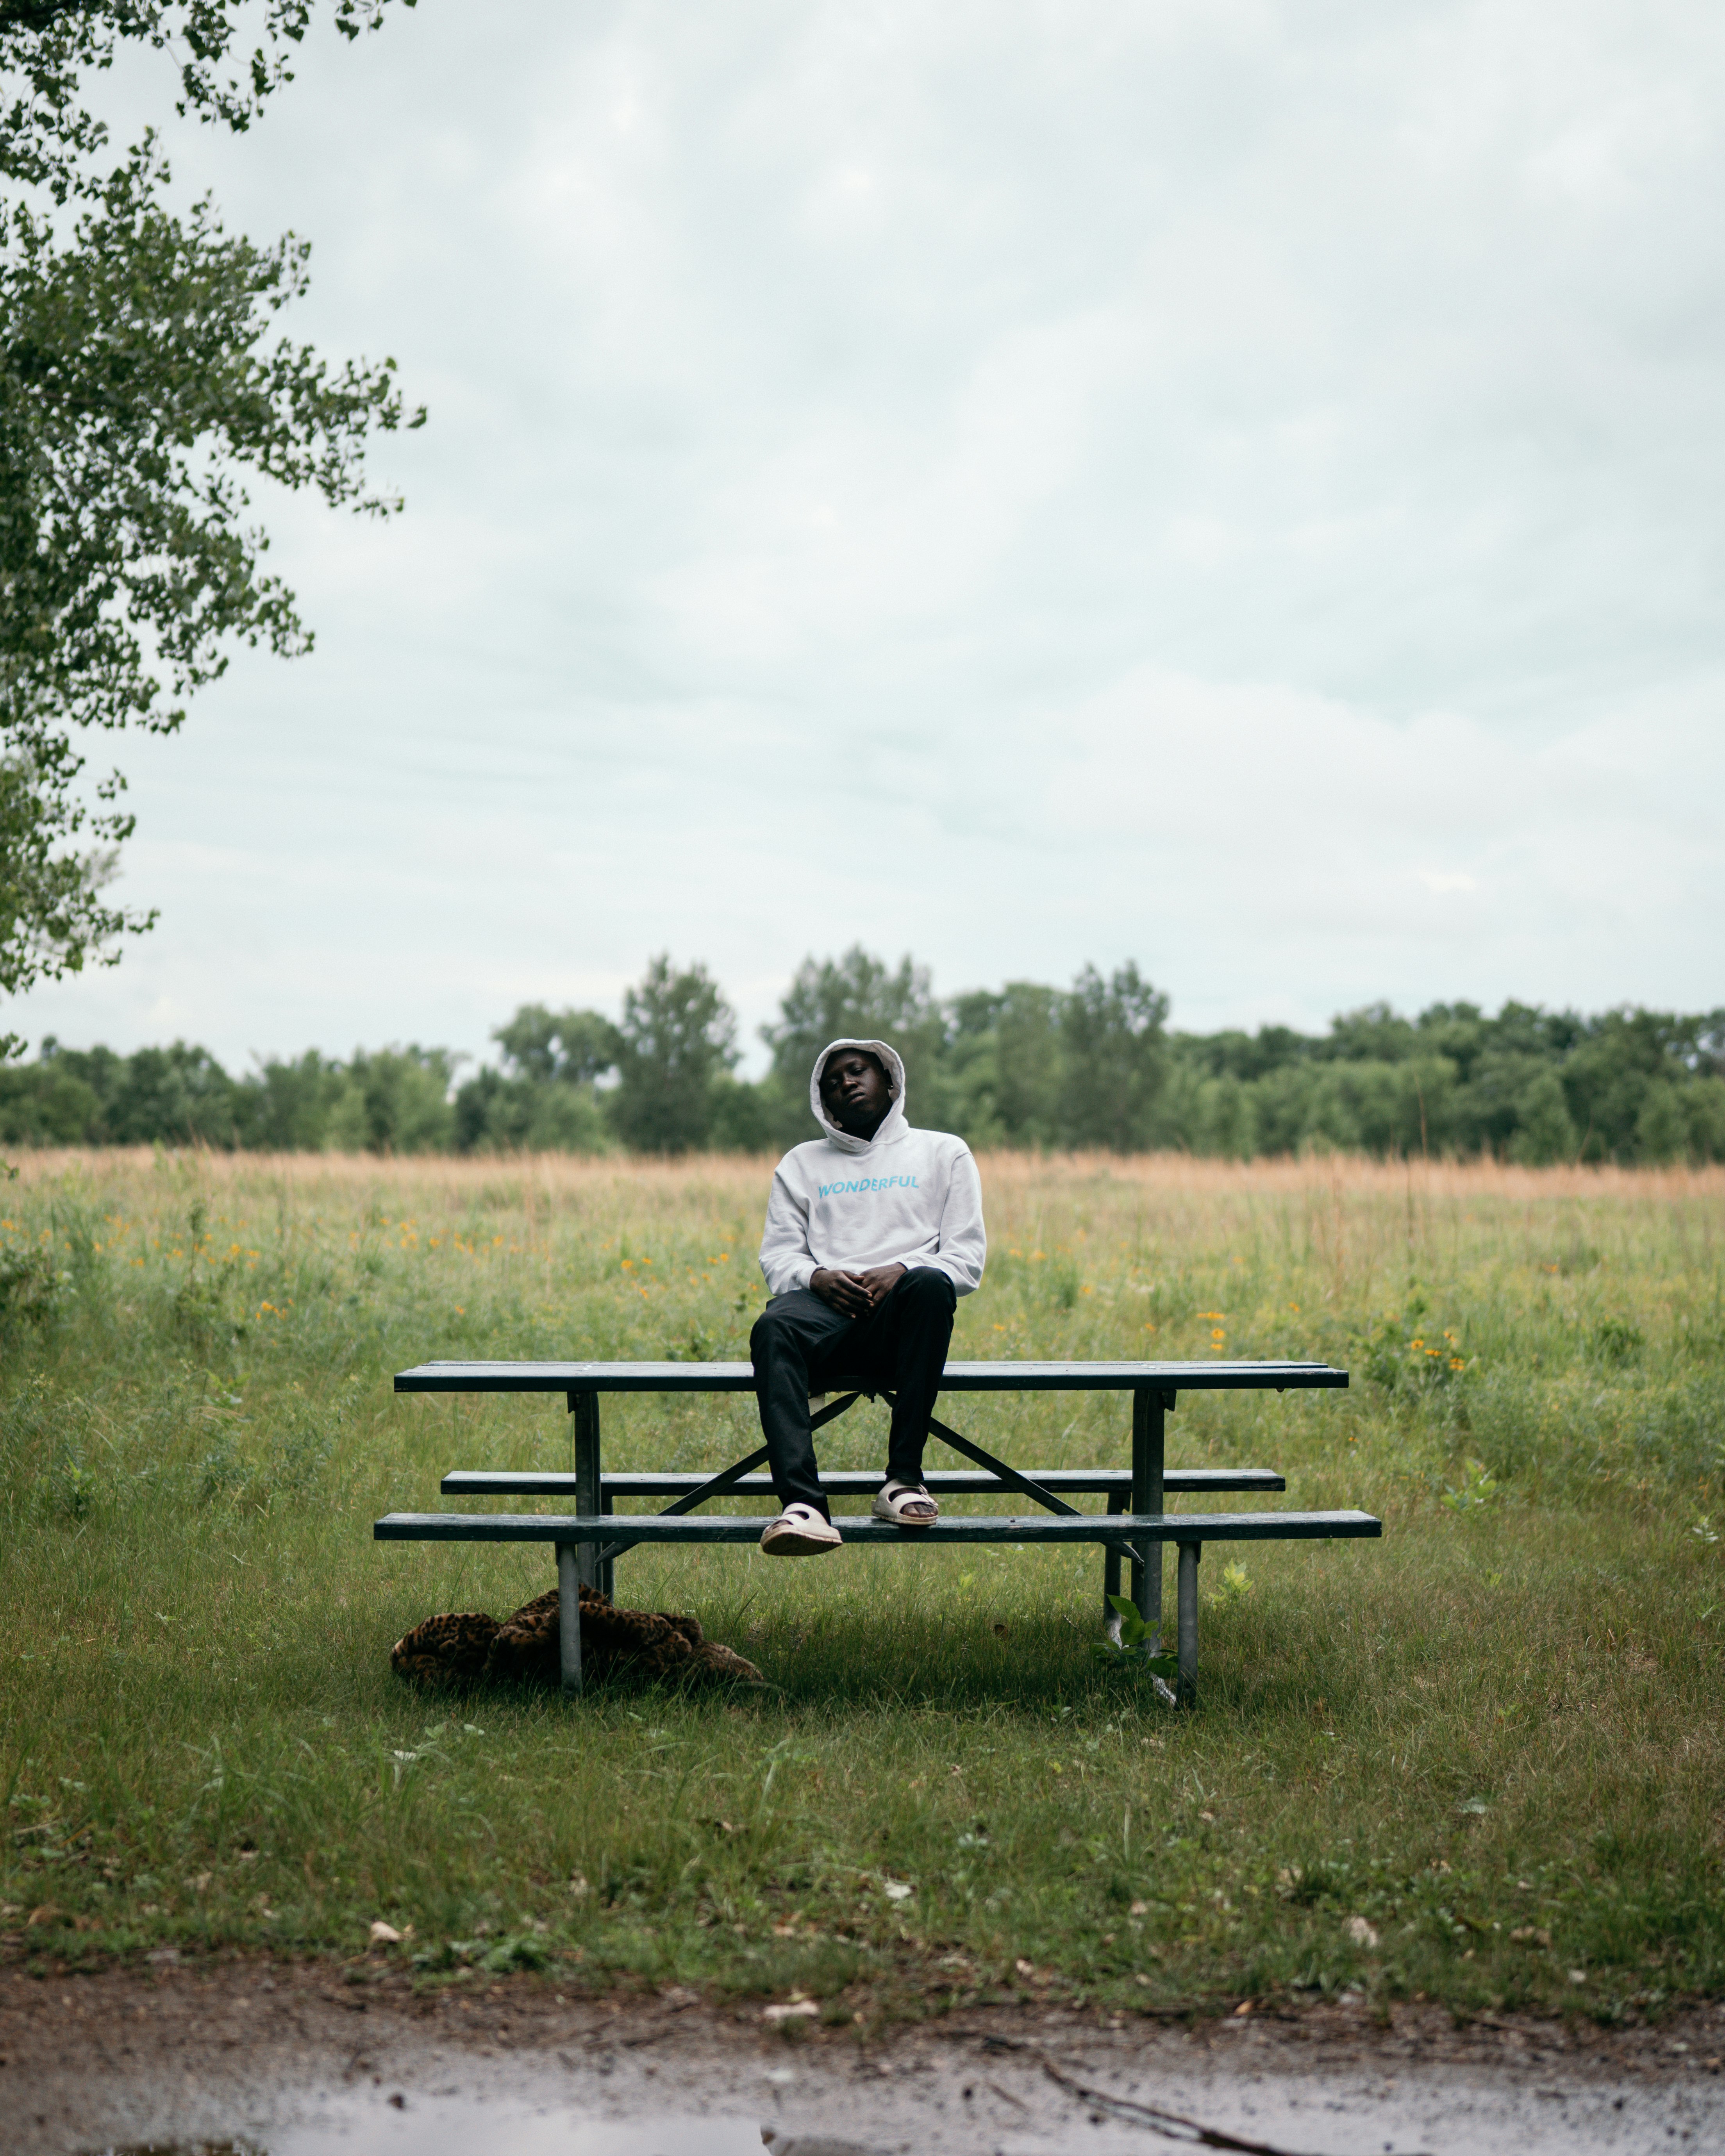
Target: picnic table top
<point>1002,1375</point>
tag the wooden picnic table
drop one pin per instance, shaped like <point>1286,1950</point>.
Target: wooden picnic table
<point>589,1538</point>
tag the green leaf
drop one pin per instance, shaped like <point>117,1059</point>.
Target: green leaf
<point>1133,1647</point>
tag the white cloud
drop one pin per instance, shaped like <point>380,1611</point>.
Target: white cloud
<point>1236,487</point>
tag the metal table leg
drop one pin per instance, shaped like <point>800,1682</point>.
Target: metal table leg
<point>1117,1501</point>
<point>1186,1685</point>
<point>578,1563</point>
<point>569,1618</point>
<point>1148,1452</point>
<point>584,1407</point>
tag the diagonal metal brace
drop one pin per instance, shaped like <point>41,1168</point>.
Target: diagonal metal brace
<point>721,1483</point>
<point>835,1408</point>
<point>1009,1476</point>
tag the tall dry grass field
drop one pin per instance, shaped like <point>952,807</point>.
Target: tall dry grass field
<point>1481,1760</point>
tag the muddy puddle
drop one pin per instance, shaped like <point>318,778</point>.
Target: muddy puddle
<point>951,2107</point>
<point>465,2125</point>
<point>271,2060</point>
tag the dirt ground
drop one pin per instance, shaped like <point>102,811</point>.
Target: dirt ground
<point>295,2057</point>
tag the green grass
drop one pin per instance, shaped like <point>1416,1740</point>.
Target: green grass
<point>1464,1762</point>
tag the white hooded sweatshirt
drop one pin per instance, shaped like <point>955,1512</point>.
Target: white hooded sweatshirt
<point>903,1197</point>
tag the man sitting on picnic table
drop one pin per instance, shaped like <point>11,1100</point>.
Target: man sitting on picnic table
<point>873,1233</point>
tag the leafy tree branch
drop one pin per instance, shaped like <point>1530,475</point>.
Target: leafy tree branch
<point>145,385</point>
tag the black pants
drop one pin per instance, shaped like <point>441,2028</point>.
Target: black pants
<point>800,1344</point>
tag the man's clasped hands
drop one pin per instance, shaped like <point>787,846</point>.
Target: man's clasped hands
<point>855,1294</point>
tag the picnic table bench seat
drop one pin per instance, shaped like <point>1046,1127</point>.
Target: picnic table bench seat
<point>1135,1526</point>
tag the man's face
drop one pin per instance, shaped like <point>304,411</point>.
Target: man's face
<point>854,1092</point>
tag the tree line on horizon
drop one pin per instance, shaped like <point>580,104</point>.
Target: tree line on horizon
<point>1093,1066</point>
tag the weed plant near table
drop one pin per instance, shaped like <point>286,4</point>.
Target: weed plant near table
<point>1481,1760</point>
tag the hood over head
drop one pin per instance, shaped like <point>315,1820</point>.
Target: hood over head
<point>891,1123</point>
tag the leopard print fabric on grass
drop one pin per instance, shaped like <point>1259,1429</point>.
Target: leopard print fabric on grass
<point>640,1643</point>
<point>455,1645</point>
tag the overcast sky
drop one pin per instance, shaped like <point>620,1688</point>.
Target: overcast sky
<point>1233,485</point>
